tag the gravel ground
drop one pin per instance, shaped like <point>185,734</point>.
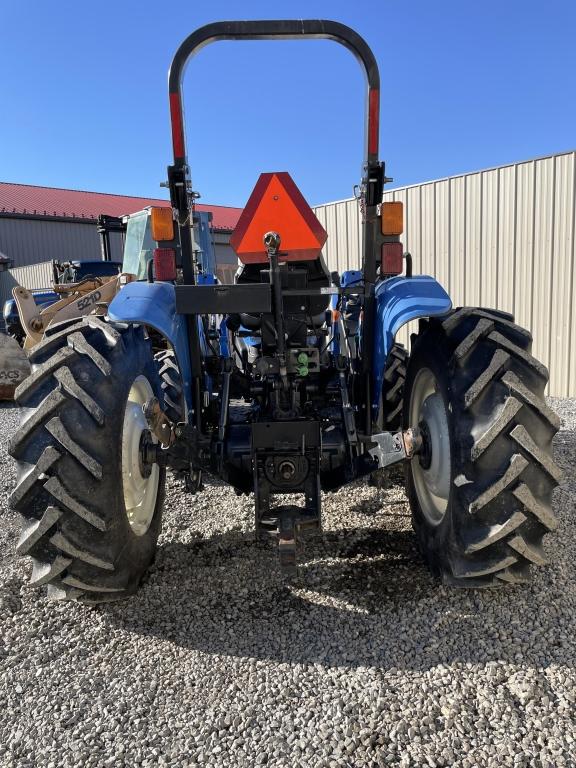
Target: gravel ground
<point>364,661</point>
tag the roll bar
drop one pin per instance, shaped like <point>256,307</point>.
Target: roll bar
<point>315,29</point>
<point>373,180</point>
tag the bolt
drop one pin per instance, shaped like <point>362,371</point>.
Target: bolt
<point>272,241</point>
<point>286,470</point>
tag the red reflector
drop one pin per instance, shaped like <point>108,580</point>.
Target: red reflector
<point>392,254</point>
<point>276,204</point>
<point>177,125</point>
<point>373,120</point>
<point>164,264</point>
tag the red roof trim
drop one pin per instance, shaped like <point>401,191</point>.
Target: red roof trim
<point>80,204</point>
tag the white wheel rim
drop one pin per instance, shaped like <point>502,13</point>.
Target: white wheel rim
<point>140,492</point>
<point>432,485</point>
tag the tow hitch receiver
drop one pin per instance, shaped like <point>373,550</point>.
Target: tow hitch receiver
<point>286,460</point>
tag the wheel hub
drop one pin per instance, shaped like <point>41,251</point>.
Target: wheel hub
<point>140,475</point>
<point>147,453</point>
<point>425,450</point>
<point>431,467</point>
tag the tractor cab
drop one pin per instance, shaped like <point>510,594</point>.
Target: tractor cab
<point>153,224</point>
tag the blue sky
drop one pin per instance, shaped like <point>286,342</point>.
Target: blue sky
<point>465,85</point>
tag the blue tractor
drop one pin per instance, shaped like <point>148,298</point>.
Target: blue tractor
<point>286,384</point>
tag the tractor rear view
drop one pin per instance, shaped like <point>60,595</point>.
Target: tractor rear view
<point>286,384</point>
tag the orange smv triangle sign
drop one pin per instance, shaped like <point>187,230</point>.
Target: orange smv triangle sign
<point>277,205</point>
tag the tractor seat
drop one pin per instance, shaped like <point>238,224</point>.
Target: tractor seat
<point>301,313</point>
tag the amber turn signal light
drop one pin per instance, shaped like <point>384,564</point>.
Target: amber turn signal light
<point>392,218</point>
<point>162,224</point>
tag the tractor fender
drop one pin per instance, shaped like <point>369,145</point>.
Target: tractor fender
<point>399,300</point>
<point>154,304</point>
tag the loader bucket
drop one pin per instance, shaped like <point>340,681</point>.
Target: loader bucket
<point>14,366</point>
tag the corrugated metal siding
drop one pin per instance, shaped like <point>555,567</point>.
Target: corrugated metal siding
<point>32,277</point>
<point>342,222</point>
<point>28,241</point>
<point>502,238</point>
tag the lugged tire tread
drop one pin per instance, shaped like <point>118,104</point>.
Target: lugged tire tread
<point>528,397</point>
<point>60,531</point>
<point>25,485</point>
<point>393,389</point>
<point>35,420</point>
<point>66,546</point>
<point>58,591</point>
<point>532,553</point>
<point>112,335</point>
<point>499,359</point>
<point>392,402</point>
<point>525,356</point>
<point>72,581</point>
<point>511,408</point>
<point>505,319</point>
<point>473,570</point>
<point>171,385</point>
<point>170,382</point>
<point>43,371</point>
<point>60,433</point>
<point>57,490</point>
<point>492,534</point>
<point>521,436</point>
<point>43,572</point>
<point>483,328</point>
<point>506,511</point>
<point>510,576</point>
<point>34,530</point>
<point>396,413</point>
<point>68,383</point>
<point>525,496</point>
<point>517,465</point>
<point>79,344</point>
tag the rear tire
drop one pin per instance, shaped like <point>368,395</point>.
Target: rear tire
<point>172,396</point>
<point>91,516</point>
<point>392,405</point>
<point>481,493</point>
<point>393,388</point>
<point>175,408</point>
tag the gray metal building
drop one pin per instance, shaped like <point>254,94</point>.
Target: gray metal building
<point>29,239</point>
<point>38,224</point>
<point>502,237</point>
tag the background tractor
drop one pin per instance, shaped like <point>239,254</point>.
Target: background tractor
<point>84,287</point>
<point>283,385</point>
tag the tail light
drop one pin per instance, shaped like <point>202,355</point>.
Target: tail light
<point>392,258</point>
<point>162,223</point>
<point>164,264</point>
<point>392,218</point>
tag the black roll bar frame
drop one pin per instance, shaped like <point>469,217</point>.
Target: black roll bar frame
<point>179,179</point>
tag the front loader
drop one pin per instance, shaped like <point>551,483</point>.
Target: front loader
<point>286,384</point>
<point>85,287</point>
